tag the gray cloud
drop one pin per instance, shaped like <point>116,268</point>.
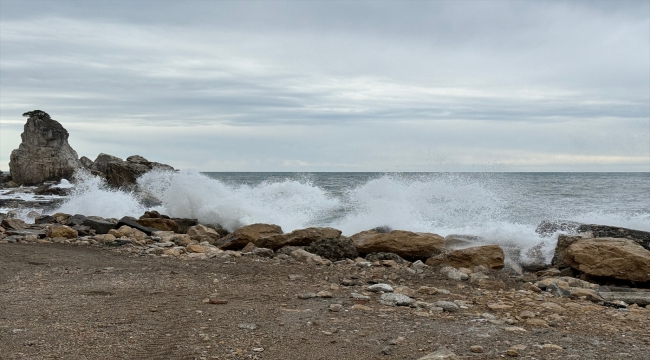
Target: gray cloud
<point>387,86</point>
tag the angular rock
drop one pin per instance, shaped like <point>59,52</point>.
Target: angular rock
<point>300,237</point>
<point>309,258</point>
<point>610,257</point>
<point>125,173</point>
<point>547,228</point>
<point>44,219</point>
<point>441,354</point>
<point>26,232</point>
<point>159,223</point>
<point>262,252</point>
<point>599,231</point>
<point>202,233</point>
<point>333,249</point>
<point>250,233</point>
<point>77,219</point>
<point>101,162</point>
<point>86,162</point>
<point>563,242</point>
<point>62,231</point>
<point>406,244</point>
<point>44,154</point>
<point>14,224</point>
<point>491,256</point>
<point>185,224</point>
<point>100,226</point>
<point>132,222</point>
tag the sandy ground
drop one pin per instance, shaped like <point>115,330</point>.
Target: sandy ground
<point>84,302</point>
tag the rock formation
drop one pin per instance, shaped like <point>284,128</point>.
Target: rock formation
<point>121,173</point>
<point>44,154</point>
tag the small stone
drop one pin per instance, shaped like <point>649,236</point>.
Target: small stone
<point>552,347</point>
<point>537,322</point>
<point>526,314</point>
<point>512,352</point>
<point>247,326</point>
<point>397,341</point>
<point>515,329</point>
<point>386,350</point>
<point>336,307</point>
<point>499,306</point>
<point>380,287</point>
<point>441,354</point>
<point>391,299</point>
<point>405,290</point>
<point>447,305</point>
<point>259,349</point>
<point>428,290</point>
<point>305,296</point>
<point>218,301</point>
<point>477,349</point>
<point>324,294</point>
<point>488,316</point>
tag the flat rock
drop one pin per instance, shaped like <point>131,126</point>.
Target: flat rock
<point>392,299</point>
<point>302,237</point>
<point>246,234</point>
<point>639,298</point>
<point>406,244</point>
<point>491,256</point>
<point>380,287</point>
<point>609,257</point>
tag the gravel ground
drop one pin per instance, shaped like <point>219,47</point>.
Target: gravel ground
<point>84,302</point>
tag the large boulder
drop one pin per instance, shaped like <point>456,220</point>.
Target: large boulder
<point>300,237</point>
<point>242,236</point>
<point>491,256</point>
<point>202,233</point>
<point>609,257</point>
<point>563,243</point>
<point>159,223</point>
<point>125,173</point>
<point>600,231</point>
<point>406,244</point>
<point>101,162</point>
<point>44,154</point>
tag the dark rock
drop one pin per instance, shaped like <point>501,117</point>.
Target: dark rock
<point>86,162</point>
<point>640,298</point>
<point>219,229</point>
<point>44,153</point>
<point>83,230</point>
<point>184,224</point>
<point>77,219</point>
<point>125,173</point>
<point>49,189</point>
<point>153,214</point>
<point>44,219</point>
<point>100,226</point>
<point>102,161</point>
<point>159,223</point>
<point>640,237</point>
<point>547,227</point>
<point>372,257</point>
<point>132,222</point>
<point>384,229</point>
<point>563,242</point>
<point>333,249</point>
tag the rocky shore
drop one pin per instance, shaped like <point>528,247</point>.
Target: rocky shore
<point>595,284</point>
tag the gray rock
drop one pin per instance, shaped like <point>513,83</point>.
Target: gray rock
<point>447,305</point>
<point>640,298</point>
<point>372,257</point>
<point>380,287</point>
<point>640,237</point>
<point>125,173</point>
<point>441,354</point>
<point>131,222</point>
<point>453,273</point>
<point>102,161</point>
<point>77,219</point>
<point>247,326</point>
<point>262,252</point>
<point>392,299</point>
<point>44,153</point>
<point>86,162</point>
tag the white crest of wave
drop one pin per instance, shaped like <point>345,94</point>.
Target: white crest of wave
<point>290,204</point>
<point>92,196</point>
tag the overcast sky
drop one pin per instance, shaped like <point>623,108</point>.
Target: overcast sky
<point>335,86</point>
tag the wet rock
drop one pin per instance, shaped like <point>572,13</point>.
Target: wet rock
<point>242,236</point>
<point>185,224</point>
<point>563,243</point>
<point>100,226</point>
<point>44,153</point>
<point>77,219</point>
<point>547,228</point>
<point>333,249</point>
<point>125,173</point>
<point>602,231</point>
<point>44,219</point>
<point>610,257</point>
<point>408,245</point>
<point>101,162</point>
<point>302,237</point>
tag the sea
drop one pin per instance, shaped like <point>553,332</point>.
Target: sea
<point>502,208</point>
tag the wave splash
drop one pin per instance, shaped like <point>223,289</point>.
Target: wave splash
<point>445,205</point>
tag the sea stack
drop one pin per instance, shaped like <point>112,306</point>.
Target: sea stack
<point>44,154</point>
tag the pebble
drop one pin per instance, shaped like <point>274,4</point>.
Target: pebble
<point>247,326</point>
<point>324,294</point>
<point>306,296</point>
<point>380,287</point>
<point>336,307</point>
<point>359,296</point>
<point>477,349</point>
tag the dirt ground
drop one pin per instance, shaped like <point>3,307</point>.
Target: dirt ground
<point>84,302</point>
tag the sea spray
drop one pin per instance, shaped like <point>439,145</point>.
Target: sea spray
<point>498,208</point>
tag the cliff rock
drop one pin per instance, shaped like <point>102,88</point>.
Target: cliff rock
<point>44,154</point>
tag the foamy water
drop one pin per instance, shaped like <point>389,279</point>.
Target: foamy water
<point>499,208</point>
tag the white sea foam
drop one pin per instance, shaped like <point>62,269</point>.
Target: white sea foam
<point>496,211</point>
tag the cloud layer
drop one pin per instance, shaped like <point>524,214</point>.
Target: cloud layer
<point>336,86</point>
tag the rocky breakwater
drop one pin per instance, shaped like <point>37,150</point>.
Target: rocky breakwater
<point>44,153</point>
